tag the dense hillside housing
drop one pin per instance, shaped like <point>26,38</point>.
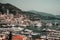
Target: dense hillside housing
<point>14,16</point>
<point>27,25</point>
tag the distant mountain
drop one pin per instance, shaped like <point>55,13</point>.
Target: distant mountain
<point>58,16</point>
<point>41,15</point>
<point>32,14</point>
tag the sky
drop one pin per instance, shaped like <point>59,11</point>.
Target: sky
<point>47,6</point>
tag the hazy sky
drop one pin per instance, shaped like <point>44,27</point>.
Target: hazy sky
<point>48,6</point>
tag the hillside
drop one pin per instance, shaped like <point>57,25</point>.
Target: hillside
<point>11,8</point>
<point>32,14</point>
<point>58,16</point>
<point>40,15</point>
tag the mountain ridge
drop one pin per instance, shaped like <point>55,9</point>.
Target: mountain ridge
<point>32,13</point>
